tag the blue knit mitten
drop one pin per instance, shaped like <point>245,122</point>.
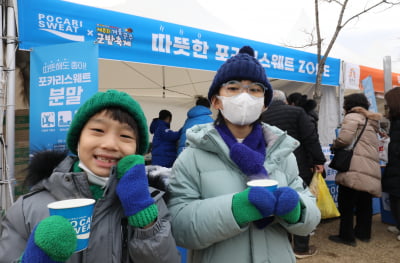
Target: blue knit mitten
<point>252,204</point>
<point>52,240</point>
<point>263,199</point>
<point>133,191</point>
<point>287,204</point>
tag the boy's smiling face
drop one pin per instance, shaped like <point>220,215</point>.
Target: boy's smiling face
<point>103,142</point>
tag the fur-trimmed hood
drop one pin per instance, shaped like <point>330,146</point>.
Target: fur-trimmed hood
<point>43,163</point>
<point>369,114</point>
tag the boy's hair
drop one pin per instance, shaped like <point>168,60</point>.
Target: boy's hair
<point>201,101</point>
<point>110,100</point>
<point>122,116</point>
<point>164,114</point>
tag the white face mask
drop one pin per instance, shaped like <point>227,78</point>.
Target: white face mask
<point>241,109</point>
<point>93,178</point>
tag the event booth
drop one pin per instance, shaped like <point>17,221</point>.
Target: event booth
<point>74,50</point>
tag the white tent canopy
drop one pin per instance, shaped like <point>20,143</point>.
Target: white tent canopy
<point>145,83</point>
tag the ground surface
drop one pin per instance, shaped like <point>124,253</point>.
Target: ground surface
<point>383,247</point>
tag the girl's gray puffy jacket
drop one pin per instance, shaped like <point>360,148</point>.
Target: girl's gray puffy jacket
<point>110,232</point>
<point>204,180</point>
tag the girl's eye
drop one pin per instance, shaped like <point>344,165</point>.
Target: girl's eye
<point>97,130</point>
<point>233,88</point>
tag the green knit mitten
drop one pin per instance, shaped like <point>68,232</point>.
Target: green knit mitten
<point>293,216</point>
<point>243,210</point>
<point>52,240</point>
<point>287,204</point>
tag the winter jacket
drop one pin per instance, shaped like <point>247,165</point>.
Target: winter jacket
<point>364,173</point>
<point>164,146</point>
<point>110,232</point>
<point>314,119</point>
<point>196,115</point>
<point>204,180</point>
<point>295,121</point>
<point>391,175</point>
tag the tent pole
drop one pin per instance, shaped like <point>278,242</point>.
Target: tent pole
<point>10,109</point>
<point>3,185</point>
<point>163,80</point>
<point>387,73</point>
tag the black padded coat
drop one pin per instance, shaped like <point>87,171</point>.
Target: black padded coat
<point>295,121</point>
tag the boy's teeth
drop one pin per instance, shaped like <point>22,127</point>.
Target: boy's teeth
<point>105,159</point>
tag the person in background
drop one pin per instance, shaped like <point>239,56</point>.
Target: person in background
<point>199,114</point>
<point>163,151</point>
<point>309,106</point>
<point>391,174</point>
<point>215,215</point>
<point>107,138</point>
<point>362,181</point>
<point>309,155</point>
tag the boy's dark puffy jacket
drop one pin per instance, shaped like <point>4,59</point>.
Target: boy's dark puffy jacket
<point>110,232</point>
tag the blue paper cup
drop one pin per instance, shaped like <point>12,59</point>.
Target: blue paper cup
<point>79,213</point>
<point>270,184</point>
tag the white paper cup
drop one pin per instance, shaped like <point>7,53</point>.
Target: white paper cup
<point>79,213</point>
<point>270,184</point>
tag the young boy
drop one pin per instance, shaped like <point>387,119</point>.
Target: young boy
<point>130,222</point>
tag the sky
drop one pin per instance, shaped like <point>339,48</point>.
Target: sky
<point>364,41</point>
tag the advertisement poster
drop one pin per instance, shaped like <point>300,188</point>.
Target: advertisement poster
<point>62,78</point>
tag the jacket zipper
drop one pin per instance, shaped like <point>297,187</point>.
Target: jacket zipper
<point>124,237</point>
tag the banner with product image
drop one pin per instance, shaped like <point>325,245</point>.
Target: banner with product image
<point>62,78</point>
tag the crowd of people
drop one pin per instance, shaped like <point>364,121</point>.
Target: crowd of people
<point>205,205</point>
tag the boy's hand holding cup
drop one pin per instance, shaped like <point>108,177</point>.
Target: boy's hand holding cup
<point>65,231</point>
<point>52,240</point>
<point>79,213</point>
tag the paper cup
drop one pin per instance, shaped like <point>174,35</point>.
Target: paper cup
<point>79,213</point>
<point>270,184</point>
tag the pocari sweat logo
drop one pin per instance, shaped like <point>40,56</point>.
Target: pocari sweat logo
<point>63,27</point>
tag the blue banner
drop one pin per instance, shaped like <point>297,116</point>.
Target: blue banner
<point>369,92</point>
<point>131,38</point>
<point>62,77</point>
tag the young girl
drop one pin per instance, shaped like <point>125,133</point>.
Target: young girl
<point>215,215</point>
<point>130,220</point>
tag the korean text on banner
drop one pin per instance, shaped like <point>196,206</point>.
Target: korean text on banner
<point>62,78</point>
<point>132,38</point>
